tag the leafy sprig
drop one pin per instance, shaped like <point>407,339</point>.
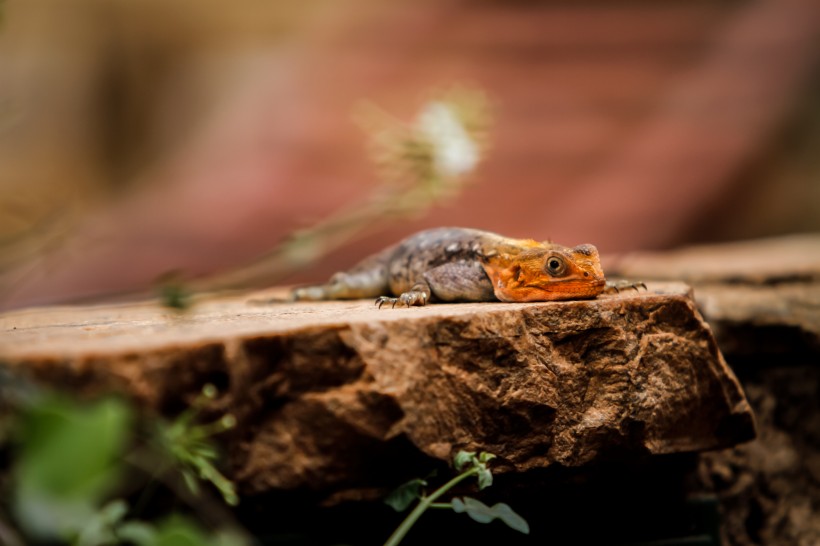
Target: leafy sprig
<point>469,464</point>
<point>189,446</point>
<point>72,469</point>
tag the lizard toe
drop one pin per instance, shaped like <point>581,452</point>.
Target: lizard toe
<point>413,298</point>
<point>381,300</point>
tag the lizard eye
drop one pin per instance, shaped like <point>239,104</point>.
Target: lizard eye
<point>556,266</point>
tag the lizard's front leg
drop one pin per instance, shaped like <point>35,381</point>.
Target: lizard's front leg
<point>455,281</point>
<point>418,295</point>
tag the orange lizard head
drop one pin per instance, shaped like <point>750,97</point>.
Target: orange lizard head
<point>546,272</point>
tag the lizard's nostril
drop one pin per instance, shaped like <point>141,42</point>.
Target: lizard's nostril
<point>586,273</point>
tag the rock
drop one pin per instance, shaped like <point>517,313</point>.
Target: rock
<point>769,489</point>
<point>760,296</point>
<point>763,300</point>
<point>325,393</point>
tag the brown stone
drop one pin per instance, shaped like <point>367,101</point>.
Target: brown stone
<point>325,392</point>
<point>760,296</point>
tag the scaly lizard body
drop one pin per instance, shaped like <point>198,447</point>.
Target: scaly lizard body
<point>459,264</point>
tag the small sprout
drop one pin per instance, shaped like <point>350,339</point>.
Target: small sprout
<point>468,464</point>
<point>478,464</point>
<point>189,446</point>
<point>174,292</point>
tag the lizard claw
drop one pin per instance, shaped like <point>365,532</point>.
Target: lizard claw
<point>381,300</point>
<point>619,285</point>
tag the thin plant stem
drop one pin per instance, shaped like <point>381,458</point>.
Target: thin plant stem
<point>423,505</point>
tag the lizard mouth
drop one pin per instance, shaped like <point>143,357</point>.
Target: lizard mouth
<point>570,289</point>
<point>555,291</point>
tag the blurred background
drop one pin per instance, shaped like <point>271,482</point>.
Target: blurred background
<point>142,137</point>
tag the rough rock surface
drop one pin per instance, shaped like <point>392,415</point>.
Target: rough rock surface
<point>759,296</point>
<point>763,300</point>
<point>323,392</point>
<point>770,488</point>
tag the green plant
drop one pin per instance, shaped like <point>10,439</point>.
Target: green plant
<point>74,466</point>
<point>188,448</point>
<point>173,291</point>
<point>468,464</point>
<point>67,464</point>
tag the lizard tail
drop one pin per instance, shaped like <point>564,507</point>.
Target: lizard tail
<point>311,293</point>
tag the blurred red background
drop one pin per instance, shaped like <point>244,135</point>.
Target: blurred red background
<point>140,137</point>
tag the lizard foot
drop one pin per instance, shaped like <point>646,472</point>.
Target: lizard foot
<point>407,299</point>
<point>616,287</point>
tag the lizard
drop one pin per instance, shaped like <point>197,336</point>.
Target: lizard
<point>468,265</point>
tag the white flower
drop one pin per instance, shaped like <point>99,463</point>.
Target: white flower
<point>454,152</point>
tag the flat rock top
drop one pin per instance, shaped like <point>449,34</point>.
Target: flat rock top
<point>761,296</point>
<point>324,393</point>
<point>775,259</point>
<point>143,326</point>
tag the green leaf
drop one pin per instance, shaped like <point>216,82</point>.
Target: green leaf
<point>179,531</point>
<point>464,459</point>
<point>485,477</point>
<point>69,460</point>
<point>175,531</point>
<point>513,520</point>
<point>482,513</point>
<point>485,457</point>
<point>137,532</point>
<point>225,487</point>
<point>100,528</point>
<point>205,451</point>
<point>190,481</point>
<point>404,495</point>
